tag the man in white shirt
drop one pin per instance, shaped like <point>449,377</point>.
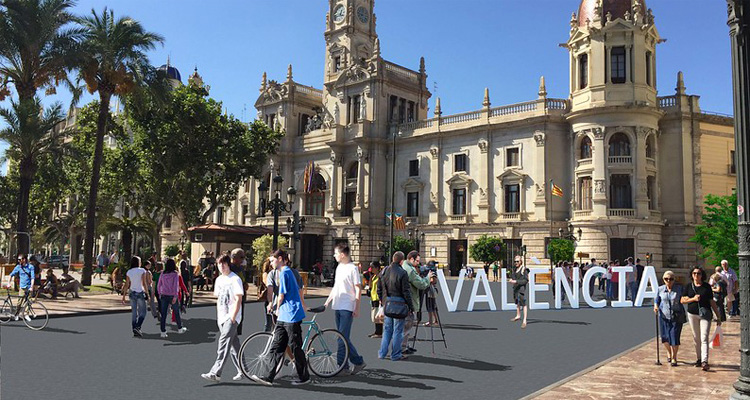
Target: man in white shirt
<point>345,297</point>
<point>630,278</point>
<point>135,285</point>
<point>228,292</point>
<point>733,289</point>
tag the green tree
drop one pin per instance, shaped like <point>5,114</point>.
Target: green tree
<point>487,249</point>
<point>263,246</point>
<point>717,234</point>
<point>172,250</point>
<point>37,49</point>
<point>128,226</point>
<point>403,244</point>
<point>561,250</point>
<point>30,136</point>
<point>114,63</point>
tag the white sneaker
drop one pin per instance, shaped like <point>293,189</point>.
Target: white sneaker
<point>237,377</point>
<point>211,377</point>
<point>164,334</point>
<point>27,318</point>
<point>182,330</point>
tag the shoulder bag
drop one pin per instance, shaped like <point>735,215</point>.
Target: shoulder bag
<point>395,307</point>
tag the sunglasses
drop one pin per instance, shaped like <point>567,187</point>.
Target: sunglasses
<point>696,273</point>
<point>668,279</point>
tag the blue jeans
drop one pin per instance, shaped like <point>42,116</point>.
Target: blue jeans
<point>611,286</point>
<point>632,288</point>
<point>166,302</point>
<point>392,329</point>
<point>138,307</point>
<point>344,321</point>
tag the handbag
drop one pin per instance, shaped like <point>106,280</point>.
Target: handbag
<point>703,312</point>
<point>395,307</point>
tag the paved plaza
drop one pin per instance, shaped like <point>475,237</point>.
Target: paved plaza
<point>487,357</point>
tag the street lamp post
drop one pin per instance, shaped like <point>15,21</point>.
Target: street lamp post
<point>739,33</point>
<point>417,237</point>
<point>295,225</point>
<point>276,205</point>
<point>393,189</point>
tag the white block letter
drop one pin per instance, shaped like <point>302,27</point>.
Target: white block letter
<point>533,287</point>
<point>504,305</point>
<point>451,302</point>
<point>485,298</point>
<point>562,284</point>
<point>622,270</point>
<point>586,294</point>
<point>648,279</point>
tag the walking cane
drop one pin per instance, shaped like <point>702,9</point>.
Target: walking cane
<point>657,340</point>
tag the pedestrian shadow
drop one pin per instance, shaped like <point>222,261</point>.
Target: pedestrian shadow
<point>319,386</point>
<point>48,329</point>
<point>549,321</point>
<point>474,365</point>
<point>200,331</point>
<point>462,327</point>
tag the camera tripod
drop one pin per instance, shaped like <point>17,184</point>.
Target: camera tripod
<point>422,295</point>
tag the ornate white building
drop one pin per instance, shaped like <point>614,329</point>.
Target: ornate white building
<point>628,161</point>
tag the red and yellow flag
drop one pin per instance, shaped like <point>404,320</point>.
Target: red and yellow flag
<point>557,191</point>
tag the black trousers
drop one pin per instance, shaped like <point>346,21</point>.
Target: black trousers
<point>288,333</point>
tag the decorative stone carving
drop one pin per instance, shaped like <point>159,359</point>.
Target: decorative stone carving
<point>333,157</point>
<point>363,108</point>
<point>539,190</point>
<point>540,138</point>
<point>360,153</point>
<point>483,146</point>
<point>316,121</point>
<point>599,187</point>
<point>643,131</point>
<point>434,152</point>
<point>642,187</point>
<point>433,201</point>
<point>598,133</point>
<point>483,197</point>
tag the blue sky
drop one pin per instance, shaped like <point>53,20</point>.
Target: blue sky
<point>505,45</point>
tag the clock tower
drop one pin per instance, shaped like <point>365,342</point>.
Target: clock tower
<point>350,35</point>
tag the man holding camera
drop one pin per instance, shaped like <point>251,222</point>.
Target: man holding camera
<point>417,283</point>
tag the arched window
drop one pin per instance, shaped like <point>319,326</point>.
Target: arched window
<point>315,196</point>
<point>585,148</point>
<point>619,145</point>
<point>650,147</point>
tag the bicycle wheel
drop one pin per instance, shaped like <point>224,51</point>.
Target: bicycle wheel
<point>6,312</point>
<point>35,315</point>
<point>255,354</point>
<point>327,353</point>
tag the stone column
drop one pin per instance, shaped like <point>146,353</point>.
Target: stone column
<point>739,32</point>
<point>360,176</point>
<point>641,194</point>
<point>599,174</point>
<point>484,178</point>
<point>436,191</point>
<point>333,188</point>
<point>540,202</point>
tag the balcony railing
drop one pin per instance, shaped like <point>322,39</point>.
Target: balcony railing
<point>621,160</point>
<point>316,220</point>
<point>585,162</point>
<point>458,218</point>
<point>582,213</point>
<point>621,212</point>
<point>511,216</point>
<point>667,101</point>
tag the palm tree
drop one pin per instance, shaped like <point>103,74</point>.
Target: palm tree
<point>38,47</point>
<point>30,134</point>
<point>128,226</point>
<point>114,63</point>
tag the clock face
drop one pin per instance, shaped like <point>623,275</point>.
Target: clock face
<point>363,15</point>
<point>339,13</point>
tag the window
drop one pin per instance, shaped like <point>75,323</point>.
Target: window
<point>353,172</point>
<point>336,64</point>
<point>247,186</point>
<point>410,115</point>
<point>245,212</point>
<point>585,148</point>
<point>648,68</point>
<point>618,64</point>
<point>583,68</point>
<point>512,158</point>
<point>356,106</point>
<point>413,167</point>
<point>314,203</point>
<point>168,222</point>
<point>650,147</point>
<point>402,111</point>
<point>63,208</point>
<point>619,145</point>
<point>412,204</point>
<point>460,162</point>
<point>393,109</point>
<point>459,201</point>
<point>304,119</point>
<point>620,192</point>
<point>350,199</point>
<point>732,162</point>
<point>512,199</point>
<point>651,192</point>
<point>585,193</point>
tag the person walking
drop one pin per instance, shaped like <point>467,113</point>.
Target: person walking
<point>418,283</point>
<point>266,294</point>
<point>345,301</point>
<point>135,286</point>
<point>520,280</point>
<point>169,291</point>
<point>150,289</point>
<point>719,288</point>
<point>700,302</point>
<point>395,291</point>
<point>238,259</point>
<point>733,289</point>
<point>375,300</point>
<point>158,270</point>
<point>671,314</point>
<point>288,330</point>
<point>102,261</point>
<point>228,292</point>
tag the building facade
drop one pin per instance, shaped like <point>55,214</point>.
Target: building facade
<point>634,165</point>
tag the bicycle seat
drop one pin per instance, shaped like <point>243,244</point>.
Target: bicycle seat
<point>317,310</point>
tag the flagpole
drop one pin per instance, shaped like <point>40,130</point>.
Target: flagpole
<point>551,226</point>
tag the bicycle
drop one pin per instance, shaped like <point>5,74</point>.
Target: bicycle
<point>322,350</point>
<point>33,313</point>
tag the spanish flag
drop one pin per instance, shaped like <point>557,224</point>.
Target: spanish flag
<point>556,191</point>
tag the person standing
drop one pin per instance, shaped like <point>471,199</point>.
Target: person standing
<point>590,265</point>
<point>733,288</point>
<point>669,308</point>
<point>700,301</point>
<point>228,292</point>
<point>135,286</point>
<point>495,270</point>
<point>150,289</point>
<point>613,290</point>
<point>266,294</point>
<point>519,281</point>
<point>375,300</point>
<point>288,330</point>
<point>394,287</point>
<point>631,280</point>
<point>418,283</point>
<point>101,263</point>
<point>114,258</point>
<point>158,269</point>
<point>345,299</point>
<point>719,287</point>
<point>169,291</point>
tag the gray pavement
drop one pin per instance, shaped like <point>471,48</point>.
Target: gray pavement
<point>93,357</point>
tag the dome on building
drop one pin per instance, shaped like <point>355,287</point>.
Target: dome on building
<point>172,72</point>
<point>617,8</point>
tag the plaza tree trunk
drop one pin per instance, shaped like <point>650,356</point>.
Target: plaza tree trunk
<point>27,168</point>
<point>739,26</point>
<point>101,130</point>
